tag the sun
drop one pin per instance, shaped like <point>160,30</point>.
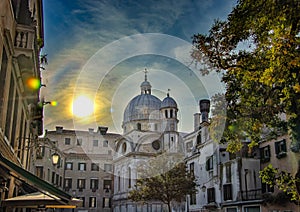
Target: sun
<point>82,106</point>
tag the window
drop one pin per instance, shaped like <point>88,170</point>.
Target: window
<point>227,192</point>
<point>3,72</point>
<point>210,195</point>
<point>171,113</point>
<point>107,184</point>
<point>48,174</point>
<point>199,139</point>
<point>192,168</point>
<point>95,167</point>
<point>139,126</point>
<point>252,209</point>
<point>81,183</point>
<point>95,143</point>
<point>209,163</point>
<point>228,173</point>
<point>166,113</point>
<point>106,202</point>
<point>67,141</point>
<point>105,143</point>
<point>124,147</point>
<point>119,182</point>
<point>40,153</point>
<point>129,177</point>
<point>107,167</point>
<point>69,166</point>
<point>40,171</point>
<point>53,178</point>
<point>265,154</point>
<point>266,188</point>
<point>94,184</point>
<point>81,166</point>
<point>193,199</point>
<point>56,179</point>
<point>79,141</point>
<point>231,209</point>
<point>68,183</point>
<point>280,148</point>
<point>92,202</point>
<point>156,144</point>
<point>189,146</point>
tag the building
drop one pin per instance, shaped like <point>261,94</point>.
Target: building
<point>149,129</point>
<point>277,153</point>
<point>226,182</point>
<point>86,161</point>
<point>21,109</point>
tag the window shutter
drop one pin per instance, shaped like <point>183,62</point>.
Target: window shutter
<point>276,147</point>
<point>284,145</point>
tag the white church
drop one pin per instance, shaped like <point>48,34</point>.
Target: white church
<point>150,127</point>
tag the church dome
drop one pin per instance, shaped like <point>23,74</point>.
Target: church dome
<point>141,107</point>
<point>168,102</point>
<point>144,106</point>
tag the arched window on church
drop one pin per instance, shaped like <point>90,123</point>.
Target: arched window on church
<point>119,181</point>
<point>129,177</point>
<point>166,113</point>
<point>171,113</point>
<point>139,126</point>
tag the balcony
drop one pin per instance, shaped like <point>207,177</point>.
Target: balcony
<point>251,195</point>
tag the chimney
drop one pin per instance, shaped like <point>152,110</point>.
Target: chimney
<point>91,130</point>
<point>204,109</point>
<point>59,129</point>
<point>102,130</point>
<point>197,121</point>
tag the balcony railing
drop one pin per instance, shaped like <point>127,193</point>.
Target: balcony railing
<point>251,194</point>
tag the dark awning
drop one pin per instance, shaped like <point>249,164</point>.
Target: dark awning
<point>35,181</point>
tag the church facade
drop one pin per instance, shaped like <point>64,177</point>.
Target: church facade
<point>150,128</point>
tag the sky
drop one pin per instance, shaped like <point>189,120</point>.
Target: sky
<point>97,52</point>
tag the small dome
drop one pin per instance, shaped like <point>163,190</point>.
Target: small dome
<point>168,102</point>
<point>146,84</point>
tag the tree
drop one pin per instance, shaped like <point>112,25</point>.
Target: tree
<point>166,182</point>
<point>257,52</point>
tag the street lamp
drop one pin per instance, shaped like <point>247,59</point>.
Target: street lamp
<point>55,158</point>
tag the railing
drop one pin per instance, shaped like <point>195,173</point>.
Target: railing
<point>251,194</point>
<point>24,37</point>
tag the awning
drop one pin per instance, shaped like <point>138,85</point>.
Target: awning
<point>38,200</point>
<point>43,186</point>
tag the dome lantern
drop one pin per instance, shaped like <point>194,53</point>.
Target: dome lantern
<point>146,86</point>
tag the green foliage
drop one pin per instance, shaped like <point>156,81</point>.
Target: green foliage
<point>284,181</point>
<point>257,52</point>
<point>164,181</point>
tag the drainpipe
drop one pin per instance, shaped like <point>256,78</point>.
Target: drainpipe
<point>246,187</point>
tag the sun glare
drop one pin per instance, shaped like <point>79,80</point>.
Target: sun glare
<point>82,106</point>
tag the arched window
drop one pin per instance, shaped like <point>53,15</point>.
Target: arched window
<point>124,147</point>
<point>171,113</point>
<point>119,181</point>
<point>166,113</point>
<point>129,177</point>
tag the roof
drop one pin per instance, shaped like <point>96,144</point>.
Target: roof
<point>168,102</point>
<point>140,107</point>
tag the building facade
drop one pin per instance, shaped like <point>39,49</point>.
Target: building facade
<point>21,109</point>
<point>21,38</point>
<point>86,161</point>
<point>278,153</point>
<point>225,182</point>
<point>149,130</point>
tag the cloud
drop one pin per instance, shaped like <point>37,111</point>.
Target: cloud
<point>77,30</point>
